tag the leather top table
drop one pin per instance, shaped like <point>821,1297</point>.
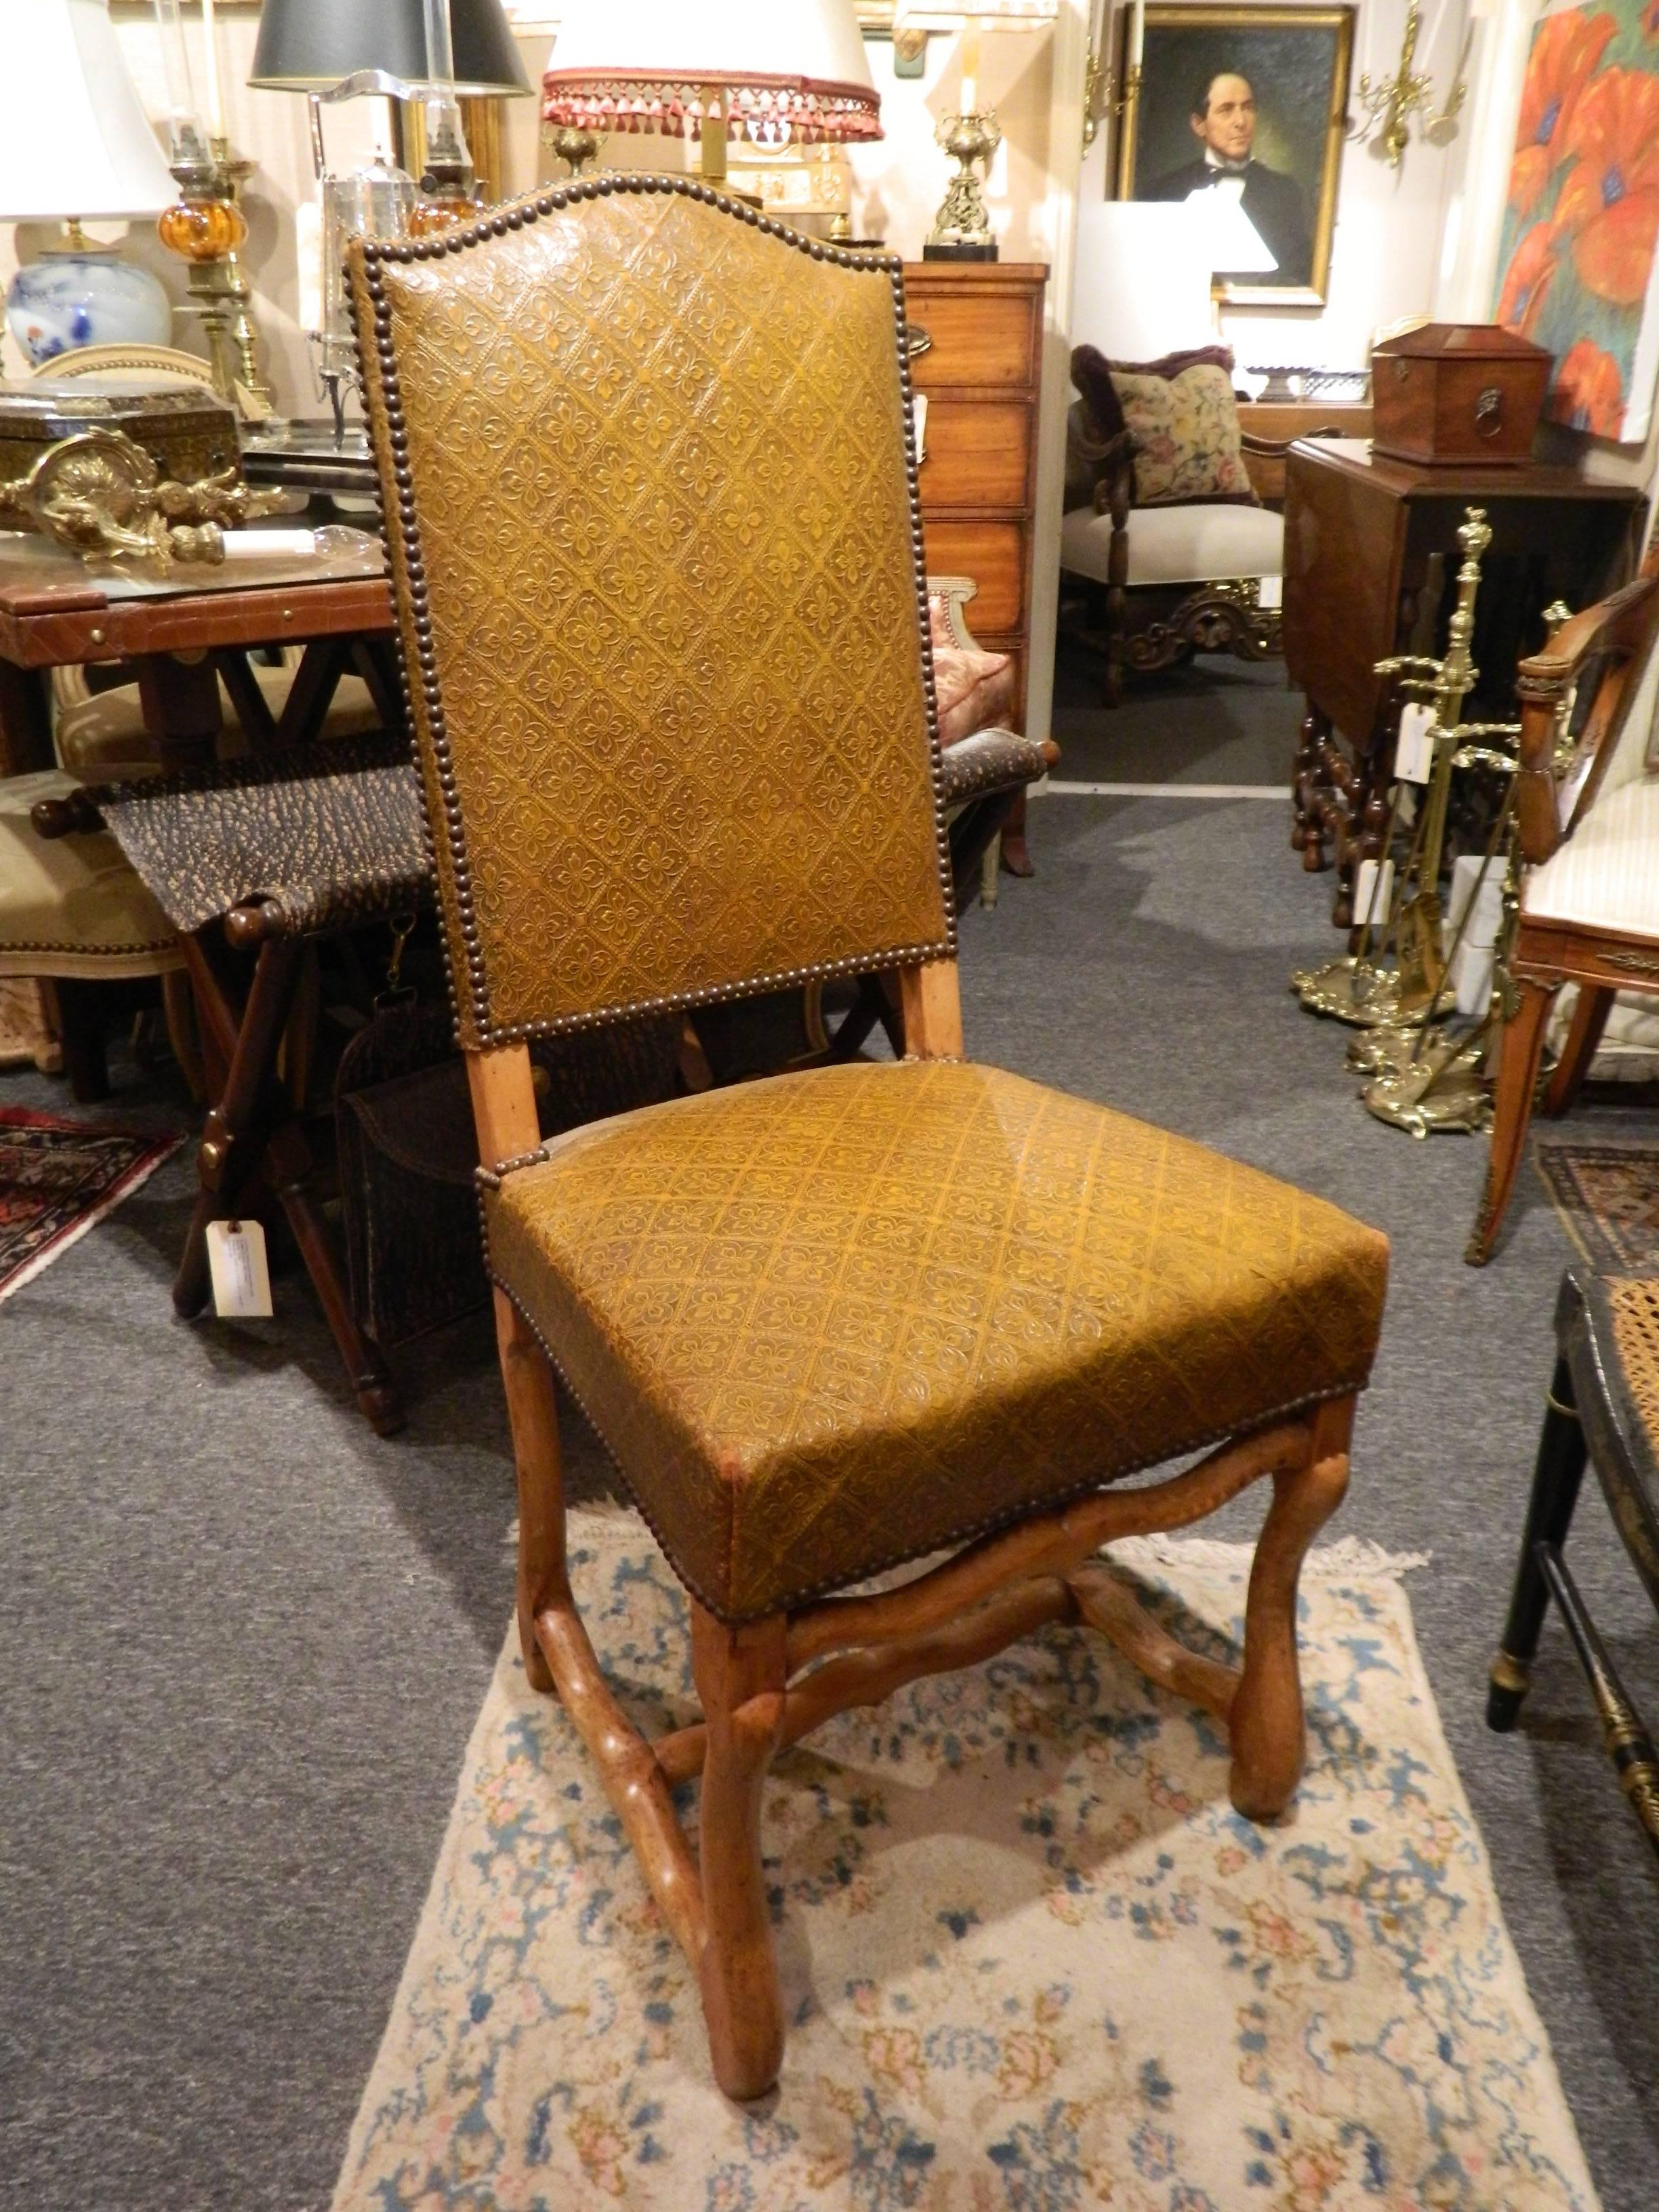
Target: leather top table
<point>179,644</point>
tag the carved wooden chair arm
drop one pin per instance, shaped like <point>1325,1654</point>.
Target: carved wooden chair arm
<point>1115,485</point>
<point>993,759</point>
<point>1552,793</point>
<point>1276,449</point>
<point>955,592</point>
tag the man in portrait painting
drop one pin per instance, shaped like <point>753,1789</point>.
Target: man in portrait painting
<point>1223,120</point>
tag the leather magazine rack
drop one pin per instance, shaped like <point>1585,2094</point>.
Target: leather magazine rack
<point>650,484</point>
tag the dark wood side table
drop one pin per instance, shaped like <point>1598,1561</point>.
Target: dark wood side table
<point>178,646</point>
<point>1371,562</point>
<point>1279,420</point>
<point>981,373</point>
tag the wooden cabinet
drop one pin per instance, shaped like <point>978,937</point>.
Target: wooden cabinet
<point>978,479</point>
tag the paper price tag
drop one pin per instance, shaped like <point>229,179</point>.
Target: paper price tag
<point>1414,755</point>
<point>236,1262</point>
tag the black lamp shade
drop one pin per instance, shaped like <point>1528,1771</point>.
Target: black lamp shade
<point>308,45</point>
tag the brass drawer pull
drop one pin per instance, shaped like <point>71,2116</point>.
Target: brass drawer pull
<point>917,341</point>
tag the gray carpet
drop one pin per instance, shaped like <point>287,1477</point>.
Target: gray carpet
<point>1216,720</point>
<point>243,1642</point>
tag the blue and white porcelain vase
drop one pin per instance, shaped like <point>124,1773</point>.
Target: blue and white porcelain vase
<point>82,297</point>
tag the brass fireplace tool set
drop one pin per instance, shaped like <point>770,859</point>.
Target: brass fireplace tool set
<point>1400,987</point>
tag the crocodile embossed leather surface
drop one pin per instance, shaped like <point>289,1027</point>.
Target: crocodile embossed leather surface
<point>837,1320</point>
<point>326,835</point>
<point>655,499</point>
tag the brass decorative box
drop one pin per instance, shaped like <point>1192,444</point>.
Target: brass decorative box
<point>1466,392</point>
<point>188,434</point>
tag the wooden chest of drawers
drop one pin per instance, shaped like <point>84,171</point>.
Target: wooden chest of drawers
<point>978,478</point>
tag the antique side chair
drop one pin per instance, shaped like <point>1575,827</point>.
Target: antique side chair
<point>656,553</point>
<point>1587,808</point>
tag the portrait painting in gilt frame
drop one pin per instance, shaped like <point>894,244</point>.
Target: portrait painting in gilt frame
<point>1250,104</point>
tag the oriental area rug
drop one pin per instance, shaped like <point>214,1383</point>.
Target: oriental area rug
<point>1032,1961</point>
<point>1607,1197</point>
<point>57,1179</point>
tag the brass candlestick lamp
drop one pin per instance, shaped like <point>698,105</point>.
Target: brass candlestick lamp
<point>962,230</point>
<point>205,225</point>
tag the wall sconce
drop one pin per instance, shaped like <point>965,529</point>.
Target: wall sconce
<point>1103,93</point>
<point>1390,106</point>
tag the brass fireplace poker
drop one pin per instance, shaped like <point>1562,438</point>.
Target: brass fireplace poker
<point>1427,1074</point>
<point>1354,988</point>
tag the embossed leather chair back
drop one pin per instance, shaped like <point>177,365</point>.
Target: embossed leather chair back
<point>657,561</point>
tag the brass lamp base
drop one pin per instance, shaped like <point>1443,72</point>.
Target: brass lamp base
<point>962,230</point>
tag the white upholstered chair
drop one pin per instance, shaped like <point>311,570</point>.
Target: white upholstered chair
<point>1588,816</point>
<point>1207,578</point>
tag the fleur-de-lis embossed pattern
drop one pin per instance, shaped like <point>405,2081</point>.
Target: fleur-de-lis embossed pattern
<point>658,568</point>
<point>833,1321</point>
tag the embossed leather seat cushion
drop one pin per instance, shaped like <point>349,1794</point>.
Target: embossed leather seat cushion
<point>833,1321</point>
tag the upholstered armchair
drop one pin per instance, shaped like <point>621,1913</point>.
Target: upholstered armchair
<point>74,915</point>
<point>1588,810</point>
<point>1164,540</point>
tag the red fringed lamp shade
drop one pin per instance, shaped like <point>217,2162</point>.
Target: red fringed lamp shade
<point>785,71</point>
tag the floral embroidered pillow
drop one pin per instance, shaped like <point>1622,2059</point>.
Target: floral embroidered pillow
<point>1184,420</point>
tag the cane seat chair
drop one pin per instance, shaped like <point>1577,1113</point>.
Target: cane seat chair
<point>656,562</point>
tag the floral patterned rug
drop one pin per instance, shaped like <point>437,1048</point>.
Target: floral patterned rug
<point>57,1179</point>
<point>1032,1959</point>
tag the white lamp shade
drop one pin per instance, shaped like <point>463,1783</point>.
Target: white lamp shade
<point>1142,287</point>
<point>644,66</point>
<point>76,142</point>
<point>1234,245</point>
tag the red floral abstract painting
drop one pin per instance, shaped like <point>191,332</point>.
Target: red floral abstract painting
<point>1576,268</point>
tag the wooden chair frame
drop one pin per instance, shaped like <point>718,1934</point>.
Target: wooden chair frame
<point>1552,797</point>
<point>763,1685</point>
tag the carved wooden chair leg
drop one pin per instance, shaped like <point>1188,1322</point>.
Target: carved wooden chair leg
<point>1556,1478</point>
<point>1520,1049</point>
<point>1267,1725</point>
<point>1589,1019</point>
<point>533,1409</point>
<point>740,1675</point>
